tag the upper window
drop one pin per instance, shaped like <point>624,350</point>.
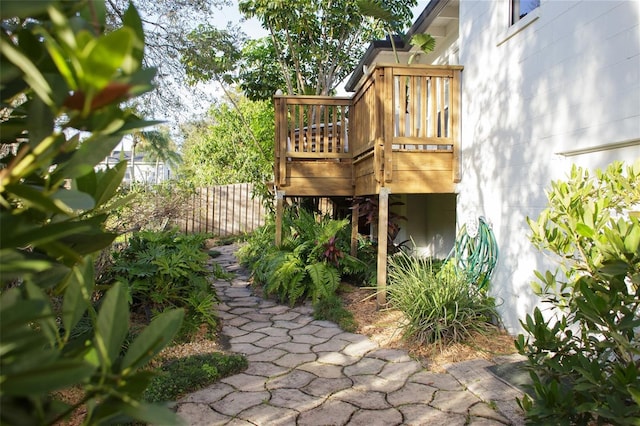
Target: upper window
<point>520,8</point>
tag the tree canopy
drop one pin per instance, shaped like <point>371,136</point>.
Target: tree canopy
<point>319,42</point>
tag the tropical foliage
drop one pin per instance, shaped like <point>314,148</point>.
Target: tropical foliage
<point>62,84</point>
<point>583,354</point>
<point>309,263</point>
<point>163,270</point>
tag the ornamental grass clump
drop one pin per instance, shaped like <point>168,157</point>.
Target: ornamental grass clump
<point>440,306</point>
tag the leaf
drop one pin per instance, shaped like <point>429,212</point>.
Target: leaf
<point>33,196</point>
<point>424,42</point>
<point>72,200</point>
<point>91,151</point>
<point>105,55</point>
<point>584,230</point>
<point>112,325</point>
<point>153,339</point>
<point>32,74</point>
<point>80,283</point>
<point>46,321</point>
<point>42,379</point>
<point>108,183</point>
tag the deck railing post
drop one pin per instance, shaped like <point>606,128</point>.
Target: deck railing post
<point>355,214</point>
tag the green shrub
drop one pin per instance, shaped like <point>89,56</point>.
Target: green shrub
<point>165,270</point>
<point>584,356</point>
<point>181,376</point>
<point>439,306</point>
<point>63,82</point>
<point>310,261</point>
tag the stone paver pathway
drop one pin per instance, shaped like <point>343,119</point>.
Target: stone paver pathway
<point>308,372</point>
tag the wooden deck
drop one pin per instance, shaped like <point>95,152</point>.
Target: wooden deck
<point>399,131</point>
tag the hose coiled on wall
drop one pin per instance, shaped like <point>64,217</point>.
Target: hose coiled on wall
<point>475,253</point>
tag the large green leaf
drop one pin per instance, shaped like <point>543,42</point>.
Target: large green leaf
<point>47,323</point>
<point>79,284</point>
<point>113,324</point>
<point>32,74</point>
<point>34,197</point>
<point>104,56</point>
<point>108,182</point>
<point>91,151</point>
<point>153,339</point>
<point>42,379</point>
<point>73,200</point>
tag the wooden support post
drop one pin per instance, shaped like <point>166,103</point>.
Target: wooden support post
<point>383,224</point>
<point>355,213</point>
<point>279,212</point>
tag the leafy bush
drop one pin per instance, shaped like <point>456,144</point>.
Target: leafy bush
<point>180,376</point>
<point>308,264</point>
<point>62,83</point>
<point>331,309</point>
<point>584,355</point>
<point>440,306</point>
<point>165,270</point>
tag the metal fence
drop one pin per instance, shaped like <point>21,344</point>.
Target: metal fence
<point>223,210</point>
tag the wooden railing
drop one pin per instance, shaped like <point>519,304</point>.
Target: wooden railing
<point>395,108</point>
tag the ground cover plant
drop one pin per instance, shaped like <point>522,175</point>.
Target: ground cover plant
<point>61,74</point>
<point>440,304</point>
<point>583,347</point>
<point>164,270</point>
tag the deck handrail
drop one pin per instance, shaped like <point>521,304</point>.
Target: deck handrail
<point>395,108</point>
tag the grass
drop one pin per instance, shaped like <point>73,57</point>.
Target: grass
<point>332,309</point>
<point>178,377</point>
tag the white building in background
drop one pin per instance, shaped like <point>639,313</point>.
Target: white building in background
<point>546,84</point>
<point>138,170</point>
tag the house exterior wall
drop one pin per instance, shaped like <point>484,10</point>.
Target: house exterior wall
<point>559,87</point>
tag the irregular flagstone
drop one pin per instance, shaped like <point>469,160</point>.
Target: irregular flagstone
<point>306,330</point>
<point>411,393</point>
<point>275,309</point>
<point>327,331</point>
<point>245,348</point>
<point>236,402</point>
<point>374,383</point>
<point>333,345</point>
<point>336,358</point>
<point>295,380</point>
<point>295,348</point>
<point>287,324</point>
<point>294,360</point>
<point>481,421</point>
<point>327,371</point>
<point>265,369</point>
<point>393,355</point>
<point>437,380</point>
<point>272,341</point>
<point>422,414</point>
<point>247,338</point>
<point>323,387</point>
<point>201,415</point>
<point>286,316</point>
<point>273,331</point>
<point>360,348</point>
<point>483,410</point>
<point>361,399</point>
<point>266,414</point>
<point>400,370</point>
<point>236,321</point>
<point>305,338</point>
<point>233,331</point>
<point>257,317</point>
<point>268,355</point>
<point>332,412</point>
<point>294,399</point>
<point>454,401</point>
<point>245,382</point>
<point>388,417</point>
<point>256,325</point>
<point>365,366</point>
<point>209,394</point>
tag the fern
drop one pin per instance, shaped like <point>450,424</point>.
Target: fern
<point>325,280</point>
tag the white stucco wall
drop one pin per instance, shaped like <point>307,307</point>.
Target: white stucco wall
<point>567,82</point>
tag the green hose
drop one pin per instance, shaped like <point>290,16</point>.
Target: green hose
<point>476,256</point>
